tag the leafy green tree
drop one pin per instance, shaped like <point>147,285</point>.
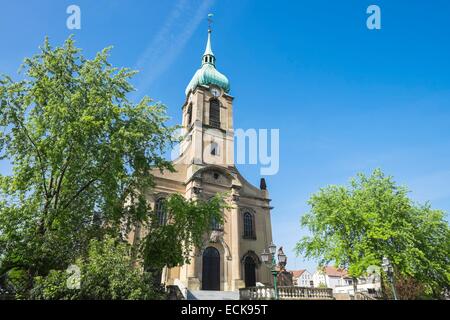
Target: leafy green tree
<point>107,273</point>
<point>79,148</point>
<point>82,157</point>
<point>355,226</point>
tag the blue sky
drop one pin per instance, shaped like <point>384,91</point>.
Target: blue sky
<point>346,99</point>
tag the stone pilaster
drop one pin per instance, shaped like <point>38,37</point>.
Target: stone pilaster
<point>193,277</point>
<point>236,278</point>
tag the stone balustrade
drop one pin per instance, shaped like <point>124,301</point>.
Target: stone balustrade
<point>286,293</point>
<point>363,296</point>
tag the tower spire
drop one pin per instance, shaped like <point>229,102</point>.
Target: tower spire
<point>210,21</point>
<point>208,74</point>
<point>208,55</point>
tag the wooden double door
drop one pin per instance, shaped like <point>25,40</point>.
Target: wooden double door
<point>211,269</point>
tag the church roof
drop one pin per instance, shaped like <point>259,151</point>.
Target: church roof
<point>208,74</point>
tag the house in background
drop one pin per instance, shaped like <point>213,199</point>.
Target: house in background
<point>331,277</point>
<point>341,282</point>
<point>302,278</point>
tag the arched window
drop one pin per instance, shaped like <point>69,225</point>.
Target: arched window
<point>249,228</point>
<point>214,113</point>
<point>214,149</point>
<point>161,213</point>
<point>189,115</point>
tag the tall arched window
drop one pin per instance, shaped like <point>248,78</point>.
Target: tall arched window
<point>161,213</point>
<point>189,115</point>
<point>249,231</point>
<point>214,113</point>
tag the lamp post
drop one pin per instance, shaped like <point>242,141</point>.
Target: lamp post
<point>268,257</point>
<point>389,270</point>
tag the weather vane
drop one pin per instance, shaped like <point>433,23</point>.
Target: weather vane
<point>210,20</point>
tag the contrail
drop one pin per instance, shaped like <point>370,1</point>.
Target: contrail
<point>168,43</point>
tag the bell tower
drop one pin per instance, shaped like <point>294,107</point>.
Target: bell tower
<point>227,259</point>
<point>208,115</point>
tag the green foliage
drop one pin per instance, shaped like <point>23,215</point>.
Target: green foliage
<point>108,272</point>
<point>171,244</point>
<point>407,288</point>
<point>355,226</point>
<point>78,148</point>
<point>82,157</point>
<point>53,286</point>
<point>17,282</point>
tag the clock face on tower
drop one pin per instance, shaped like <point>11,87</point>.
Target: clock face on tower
<point>215,92</point>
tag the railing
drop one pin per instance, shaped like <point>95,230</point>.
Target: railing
<point>286,293</point>
<point>181,287</point>
<point>7,297</point>
<point>174,293</point>
<point>363,296</point>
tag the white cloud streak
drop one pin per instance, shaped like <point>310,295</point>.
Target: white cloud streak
<point>168,42</point>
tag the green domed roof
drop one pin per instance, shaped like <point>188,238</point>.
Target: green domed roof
<point>208,74</point>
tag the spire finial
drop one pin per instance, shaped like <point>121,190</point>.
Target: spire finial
<point>210,22</point>
<point>208,56</point>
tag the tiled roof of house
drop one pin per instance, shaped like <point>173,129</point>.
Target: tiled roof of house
<point>297,273</point>
<point>334,272</point>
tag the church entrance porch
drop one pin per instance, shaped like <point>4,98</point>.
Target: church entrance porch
<point>211,269</point>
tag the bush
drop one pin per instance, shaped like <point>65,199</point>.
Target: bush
<point>108,272</point>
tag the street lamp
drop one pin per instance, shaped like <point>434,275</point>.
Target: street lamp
<point>282,259</point>
<point>268,257</point>
<point>272,248</point>
<point>265,256</point>
<point>389,270</point>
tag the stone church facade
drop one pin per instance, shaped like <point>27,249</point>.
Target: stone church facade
<point>230,256</point>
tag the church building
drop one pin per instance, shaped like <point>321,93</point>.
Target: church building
<point>230,257</point>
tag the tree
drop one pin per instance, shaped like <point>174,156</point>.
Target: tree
<point>355,226</point>
<point>82,157</point>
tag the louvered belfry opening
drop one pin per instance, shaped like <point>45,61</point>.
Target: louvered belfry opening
<point>214,113</point>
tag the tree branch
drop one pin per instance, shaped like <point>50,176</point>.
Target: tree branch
<point>58,188</point>
<point>87,185</point>
<point>39,156</point>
